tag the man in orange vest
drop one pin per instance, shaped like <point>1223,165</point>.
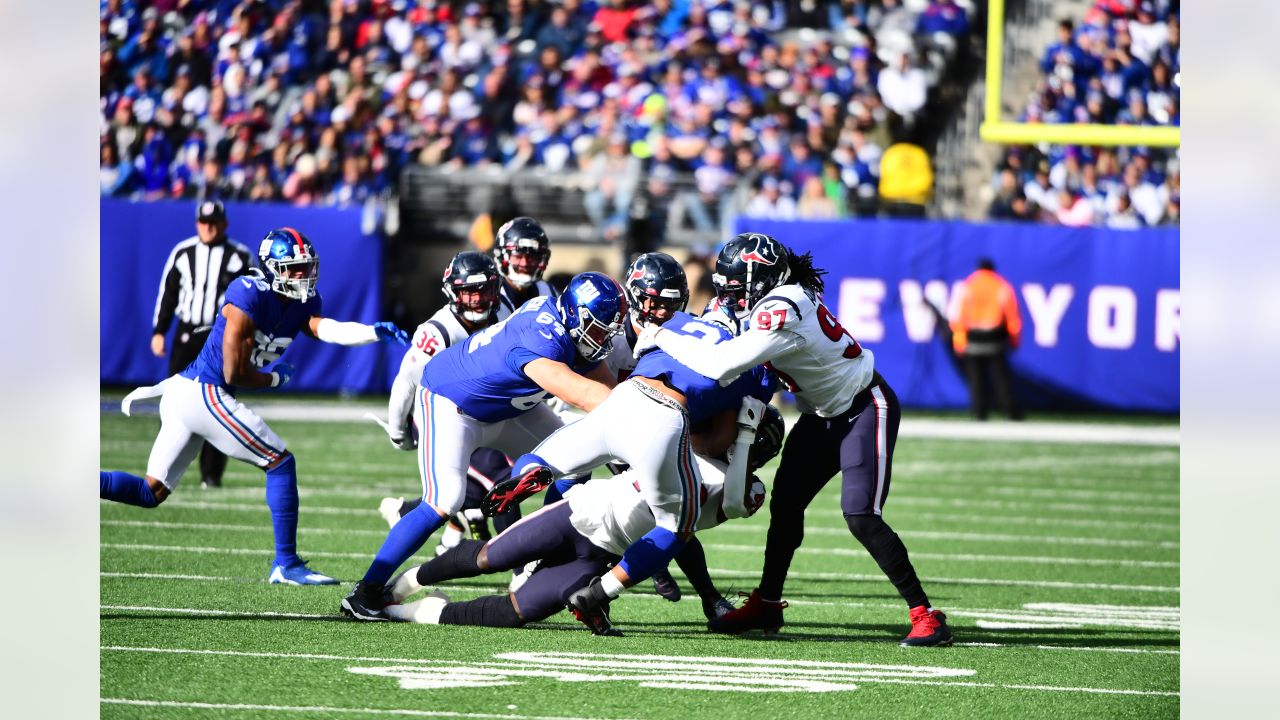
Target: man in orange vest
<point>985,326</point>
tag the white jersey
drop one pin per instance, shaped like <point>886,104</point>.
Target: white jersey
<point>613,514</point>
<point>802,342</point>
<point>442,330</point>
<point>621,359</point>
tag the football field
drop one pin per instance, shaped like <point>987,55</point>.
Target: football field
<point>1056,563</point>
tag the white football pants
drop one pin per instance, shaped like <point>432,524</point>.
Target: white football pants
<point>649,434</point>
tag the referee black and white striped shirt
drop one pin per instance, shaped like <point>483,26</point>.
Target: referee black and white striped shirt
<point>196,277</point>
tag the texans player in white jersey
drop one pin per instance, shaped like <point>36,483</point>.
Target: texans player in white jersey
<point>522,250</point>
<point>849,422</point>
<point>489,391</point>
<point>260,316</point>
<point>577,538</point>
<point>471,287</point>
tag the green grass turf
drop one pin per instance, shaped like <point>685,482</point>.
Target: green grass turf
<point>992,528</point>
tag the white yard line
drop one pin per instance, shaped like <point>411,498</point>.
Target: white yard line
<point>843,552</point>
<point>589,665</point>
<point>968,557</point>
<point>318,709</point>
<point>735,528</point>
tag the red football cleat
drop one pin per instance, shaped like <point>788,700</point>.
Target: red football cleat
<point>510,492</point>
<point>928,628</point>
<point>755,614</point>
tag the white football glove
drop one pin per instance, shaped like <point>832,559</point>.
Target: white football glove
<point>750,414</point>
<point>647,339</point>
<point>399,439</point>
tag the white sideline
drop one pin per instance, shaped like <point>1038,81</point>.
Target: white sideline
<point>896,681</point>
<point>314,709</point>
<point>958,429</point>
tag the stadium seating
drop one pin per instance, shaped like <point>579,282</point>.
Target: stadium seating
<point>1119,65</point>
<point>325,103</point>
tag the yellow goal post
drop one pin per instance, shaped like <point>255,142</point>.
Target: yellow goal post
<point>996,130</point>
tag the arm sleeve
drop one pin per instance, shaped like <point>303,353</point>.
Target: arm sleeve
<point>345,333</point>
<point>167,299</point>
<point>400,405</point>
<point>732,357</point>
<point>734,501</point>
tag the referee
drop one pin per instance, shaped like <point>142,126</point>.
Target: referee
<point>195,278</point>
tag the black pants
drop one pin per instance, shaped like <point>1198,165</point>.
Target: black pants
<point>994,367</point>
<point>859,445</point>
<point>187,344</point>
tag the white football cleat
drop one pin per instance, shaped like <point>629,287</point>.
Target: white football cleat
<point>389,509</point>
<point>423,612</point>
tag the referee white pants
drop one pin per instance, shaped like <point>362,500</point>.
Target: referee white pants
<point>447,437</point>
<point>191,412</point>
<point>650,435</point>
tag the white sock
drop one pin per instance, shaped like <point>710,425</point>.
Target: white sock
<point>611,585</point>
<point>406,585</point>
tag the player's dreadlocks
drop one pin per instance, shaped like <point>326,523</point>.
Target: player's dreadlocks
<point>803,273</point>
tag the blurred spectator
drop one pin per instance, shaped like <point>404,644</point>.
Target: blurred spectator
<point>1122,216</point>
<point>771,201</point>
<point>613,176</point>
<point>1074,210</point>
<point>814,203</point>
<point>115,176</point>
<point>903,87</point>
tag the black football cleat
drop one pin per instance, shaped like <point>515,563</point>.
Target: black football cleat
<point>928,629</point>
<point>366,602</point>
<point>511,492</point>
<point>591,606</point>
<point>666,586</point>
<point>716,608</point>
<point>755,614</point>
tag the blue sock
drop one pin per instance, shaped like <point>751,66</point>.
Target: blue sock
<point>125,488</point>
<point>556,492</point>
<point>282,499</point>
<point>405,539</point>
<point>525,463</point>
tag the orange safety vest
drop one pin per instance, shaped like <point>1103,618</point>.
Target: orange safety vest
<point>987,303</point>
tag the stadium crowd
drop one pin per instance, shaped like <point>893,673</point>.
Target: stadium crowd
<point>1120,66</point>
<point>316,102</point>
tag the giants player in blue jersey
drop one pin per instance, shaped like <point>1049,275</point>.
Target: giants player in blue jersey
<point>262,313</point>
<point>849,421</point>
<point>489,392</point>
<point>667,400</point>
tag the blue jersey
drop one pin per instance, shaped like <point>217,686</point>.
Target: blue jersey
<point>484,376</point>
<point>276,322</point>
<point>705,397</point>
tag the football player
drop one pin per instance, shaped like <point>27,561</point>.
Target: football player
<point>471,286</point>
<point>522,250</point>
<point>667,401</point>
<point>577,538</point>
<point>488,392</point>
<point>849,422</point>
<point>261,315</point>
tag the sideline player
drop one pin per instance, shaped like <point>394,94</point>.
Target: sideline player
<point>662,401</point>
<point>577,538</point>
<point>849,422</point>
<point>259,319</point>
<point>471,286</point>
<point>489,392</point>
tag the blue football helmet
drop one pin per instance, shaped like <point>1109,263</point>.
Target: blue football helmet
<point>283,252</point>
<point>593,307</point>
